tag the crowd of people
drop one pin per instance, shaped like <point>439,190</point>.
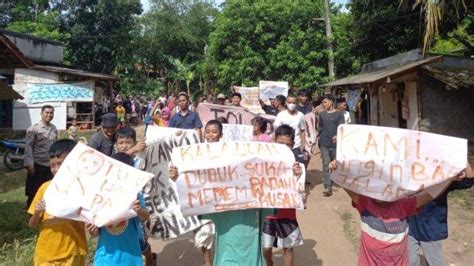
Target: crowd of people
<point>391,232</point>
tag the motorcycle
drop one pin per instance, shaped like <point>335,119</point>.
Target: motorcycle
<point>14,154</point>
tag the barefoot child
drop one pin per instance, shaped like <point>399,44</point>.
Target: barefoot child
<point>281,229</point>
<point>119,243</point>
<point>237,232</point>
<point>60,241</point>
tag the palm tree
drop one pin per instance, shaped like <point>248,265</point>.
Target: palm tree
<point>433,16</point>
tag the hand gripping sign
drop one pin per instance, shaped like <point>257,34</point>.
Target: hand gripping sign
<point>391,163</point>
<point>94,188</point>
<point>223,176</point>
<point>160,194</point>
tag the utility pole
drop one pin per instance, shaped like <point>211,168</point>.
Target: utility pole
<point>327,20</point>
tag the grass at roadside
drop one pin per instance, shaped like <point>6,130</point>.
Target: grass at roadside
<point>350,225</point>
<point>465,197</point>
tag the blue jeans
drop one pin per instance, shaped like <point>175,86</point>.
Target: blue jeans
<point>328,154</point>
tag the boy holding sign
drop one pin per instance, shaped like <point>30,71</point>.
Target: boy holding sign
<point>384,225</point>
<point>238,232</point>
<point>281,229</point>
<point>119,243</point>
<point>60,241</point>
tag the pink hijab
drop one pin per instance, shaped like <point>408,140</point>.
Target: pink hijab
<point>165,111</point>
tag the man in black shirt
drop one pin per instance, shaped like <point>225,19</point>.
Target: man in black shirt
<point>328,122</point>
<point>305,105</point>
<point>276,105</point>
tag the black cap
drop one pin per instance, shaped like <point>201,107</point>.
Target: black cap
<point>109,120</point>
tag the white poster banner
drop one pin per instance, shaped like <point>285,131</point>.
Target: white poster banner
<point>94,188</point>
<point>224,176</point>
<point>160,194</point>
<point>391,163</point>
<point>236,132</point>
<point>271,89</point>
<point>250,99</point>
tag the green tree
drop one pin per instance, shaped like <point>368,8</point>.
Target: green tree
<point>100,32</point>
<point>256,40</point>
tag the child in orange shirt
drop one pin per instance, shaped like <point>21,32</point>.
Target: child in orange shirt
<point>60,241</point>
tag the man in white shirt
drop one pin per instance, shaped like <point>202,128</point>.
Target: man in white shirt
<point>341,105</point>
<point>294,119</point>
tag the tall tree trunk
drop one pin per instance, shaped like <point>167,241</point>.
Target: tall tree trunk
<point>327,20</point>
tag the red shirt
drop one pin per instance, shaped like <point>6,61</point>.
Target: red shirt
<point>384,231</point>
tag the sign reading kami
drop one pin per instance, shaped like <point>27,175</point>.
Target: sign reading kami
<point>391,163</point>
<point>160,194</point>
<point>94,188</point>
<point>60,92</point>
<point>223,176</point>
<point>271,89</point>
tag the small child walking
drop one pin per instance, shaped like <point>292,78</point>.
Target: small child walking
<point>60,241</point>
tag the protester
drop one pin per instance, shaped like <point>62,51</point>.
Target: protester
<point>165,116</point>
<point>119,243</point>
<point>60,241</point>
<point>328,122</point>
<point>127,104</point>
<point>126,139</point>
<point>186,119</point>
<point>39,138</point>
<point>294,119</point>
<point>104,140</point>
<point>120,111</point>
<point>237,232</point>
<point>259,129</point>
<point>73,130</point>
<point>281,230</point>
<point>227,102</point>
<point>271,109</point>
<point>236,98</point>
<point>429,227</point>
<point>341,105</point>
<point>362,109</point>
<point>222,119</point>
<point>280,101</point>
<point>149,109</point>
<point>220,99</point>
<point>305,105</point>
<point>384,226</point>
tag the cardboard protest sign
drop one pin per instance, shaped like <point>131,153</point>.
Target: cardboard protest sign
<point>94,188</point>
<point>161,197</point>
<point>311,133</point>
<point>235,115</point>
<point>390,163</point>
<point>271,89</point>
<point>223,176</point>
<point>250,97</point>
<point>234,132</point>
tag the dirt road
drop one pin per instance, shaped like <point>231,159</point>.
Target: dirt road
<point>323,231</point>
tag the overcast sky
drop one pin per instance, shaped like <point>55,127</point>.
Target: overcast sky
<point>146,3</point>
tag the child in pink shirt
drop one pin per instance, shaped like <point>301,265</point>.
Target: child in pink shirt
<point>259,128</point>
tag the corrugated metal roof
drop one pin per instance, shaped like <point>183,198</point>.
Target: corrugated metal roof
<point>455,77</point>
<point>7,93</point>
<point>75,72</point>
<point>370,77</point>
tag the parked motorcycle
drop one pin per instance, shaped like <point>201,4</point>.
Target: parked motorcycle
<point>14,154</point>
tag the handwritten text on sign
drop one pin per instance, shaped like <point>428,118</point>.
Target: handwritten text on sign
<point>160,194</point>
<point>222,176</point>
<point>391,163</point>
<point>234,132</point>
<point>94,188</point>
<point>250,97</point>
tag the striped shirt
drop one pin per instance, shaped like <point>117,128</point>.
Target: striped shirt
<point>384,231</point>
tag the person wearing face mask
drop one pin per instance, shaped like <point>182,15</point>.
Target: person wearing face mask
<point>294,119</point>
